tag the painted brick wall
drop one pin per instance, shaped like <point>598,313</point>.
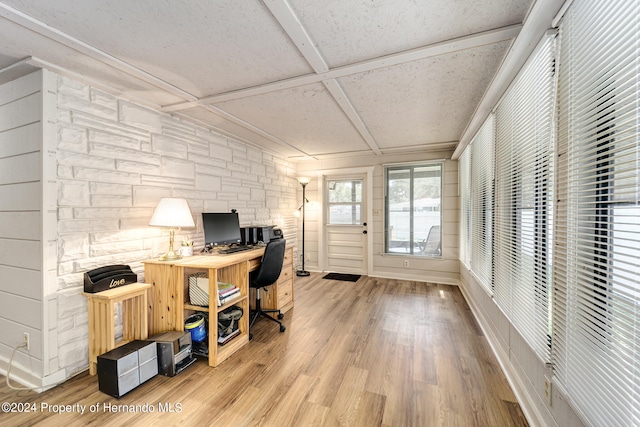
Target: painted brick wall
<point>115,160</point>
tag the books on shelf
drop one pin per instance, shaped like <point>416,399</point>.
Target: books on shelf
<point>223,300</point>
<point>226,338</point>
<point>223,286</point>
<point>226,292</point>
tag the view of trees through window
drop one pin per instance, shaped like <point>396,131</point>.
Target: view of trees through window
<point>413,209</point>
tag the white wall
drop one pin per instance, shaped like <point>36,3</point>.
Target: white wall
<point>444,270</point>
<point>524,370</point>
<point>21,220</point>
<point>111,160</point>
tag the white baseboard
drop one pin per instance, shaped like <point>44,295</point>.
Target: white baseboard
<point>524,397</point>
<point>416,278</point>
<point>23,377</point>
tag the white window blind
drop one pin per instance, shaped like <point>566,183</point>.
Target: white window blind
<point>464,181</point>
<point>523,212</point>
<point>596,341</point>
<point>482,203</point>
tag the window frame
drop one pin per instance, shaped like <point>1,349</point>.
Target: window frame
<point>413,247</point>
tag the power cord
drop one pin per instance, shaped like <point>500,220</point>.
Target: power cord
<point>9,370</point>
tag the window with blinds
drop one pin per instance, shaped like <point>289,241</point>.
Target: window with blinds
<point>482,203</point>
<point>596,347</point>
<point>524,198</point>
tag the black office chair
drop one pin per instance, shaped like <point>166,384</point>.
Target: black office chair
<point>266,275</point>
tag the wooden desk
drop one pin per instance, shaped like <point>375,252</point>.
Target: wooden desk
<point>101,319</point>
<point>169,296</point>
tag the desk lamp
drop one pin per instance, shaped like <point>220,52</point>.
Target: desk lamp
<point>172,213</point>
<point>303,181</point>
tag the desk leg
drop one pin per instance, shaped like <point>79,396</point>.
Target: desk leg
<point>144,316</point>
<point>93,356</point>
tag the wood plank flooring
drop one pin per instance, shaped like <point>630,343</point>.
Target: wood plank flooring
<point>377,352</point>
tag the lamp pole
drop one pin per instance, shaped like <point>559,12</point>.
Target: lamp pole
<point>303,182</point>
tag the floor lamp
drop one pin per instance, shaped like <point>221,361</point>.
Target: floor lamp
<point>303,182</point>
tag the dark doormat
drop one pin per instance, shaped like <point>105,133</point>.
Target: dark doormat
<point>343,277</point>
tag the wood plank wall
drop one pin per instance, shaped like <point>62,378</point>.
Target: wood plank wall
<point>21,219</point>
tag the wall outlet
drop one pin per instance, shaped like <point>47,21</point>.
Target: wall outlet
<point>547,390</point>
<point>25,339</point>
<point>406,263</point>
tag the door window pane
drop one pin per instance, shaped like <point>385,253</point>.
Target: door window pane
<point>345,201</point>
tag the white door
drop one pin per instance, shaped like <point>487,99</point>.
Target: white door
<point>345,224</point>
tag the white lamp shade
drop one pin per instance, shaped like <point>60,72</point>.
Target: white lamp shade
<point>304,180</point>
<point>172,213</point>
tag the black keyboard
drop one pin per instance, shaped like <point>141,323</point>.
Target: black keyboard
<point>235,249</point>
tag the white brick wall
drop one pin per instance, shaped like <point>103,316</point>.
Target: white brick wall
<point>115,161</point>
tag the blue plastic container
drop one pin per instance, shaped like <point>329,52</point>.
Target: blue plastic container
<point>195,325</point>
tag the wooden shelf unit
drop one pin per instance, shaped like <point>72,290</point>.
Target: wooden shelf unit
<point>236,274</point>
<point>169,303</point>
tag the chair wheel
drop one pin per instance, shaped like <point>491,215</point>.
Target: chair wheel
<point>282,328</point>
<point>280,316</point>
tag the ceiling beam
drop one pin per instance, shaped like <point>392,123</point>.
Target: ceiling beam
<point>288,20</point>
<point>345,104</point>
<point>449,46</point>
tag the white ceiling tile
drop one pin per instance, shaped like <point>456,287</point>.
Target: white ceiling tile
<point>427,101</point>
<point>202,46</point>
<point>351,31</point>
<point>306,116</point>
<point>389,77</point>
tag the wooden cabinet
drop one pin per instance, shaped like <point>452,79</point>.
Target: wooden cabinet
<point>169,303</point>
<point>280,295</point>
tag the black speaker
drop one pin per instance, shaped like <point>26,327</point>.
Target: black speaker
<point>249,235</point>
<point>125,368</point>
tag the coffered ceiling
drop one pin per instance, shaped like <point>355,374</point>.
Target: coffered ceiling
<point>300,78</point>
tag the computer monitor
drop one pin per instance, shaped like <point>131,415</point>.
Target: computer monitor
<point>221,228</point>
